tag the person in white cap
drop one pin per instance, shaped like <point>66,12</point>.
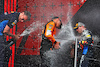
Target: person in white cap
<point>84,42</point>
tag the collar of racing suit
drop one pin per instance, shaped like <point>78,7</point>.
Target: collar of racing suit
<point>85,33</point>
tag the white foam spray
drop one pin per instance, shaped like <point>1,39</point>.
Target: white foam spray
<point>65,34</point>
<point>32,27</point>
<point>59,58</point>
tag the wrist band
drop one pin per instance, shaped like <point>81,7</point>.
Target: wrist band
<point>55,42</point>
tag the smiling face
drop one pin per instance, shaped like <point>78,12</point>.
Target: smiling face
<point>22,17</point>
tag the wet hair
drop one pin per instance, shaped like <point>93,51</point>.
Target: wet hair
<point>60,22</point>
<point>55,18</point>
<point>28,14</point>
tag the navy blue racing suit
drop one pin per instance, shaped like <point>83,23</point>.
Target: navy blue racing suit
<point>86,41</point>
<point>10,20</point>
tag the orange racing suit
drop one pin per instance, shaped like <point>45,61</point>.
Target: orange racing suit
<point>49,31</point>
<point>47,41</point>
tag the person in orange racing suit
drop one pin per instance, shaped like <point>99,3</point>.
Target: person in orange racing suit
<point>48,40</point>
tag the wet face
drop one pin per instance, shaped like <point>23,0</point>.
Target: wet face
<point>22,17</point>
<point>79,30</point>
<point>58,25</point>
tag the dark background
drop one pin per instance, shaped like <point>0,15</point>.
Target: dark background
<point>1,6</point>
<point>89,14</point>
